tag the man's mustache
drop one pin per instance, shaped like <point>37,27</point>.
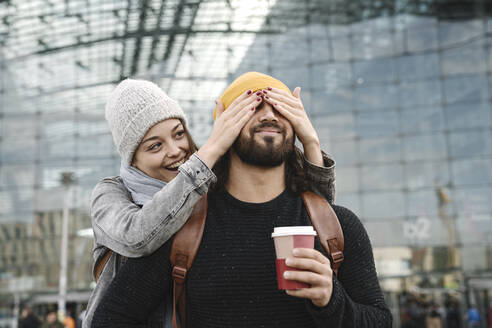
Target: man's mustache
<point>269,125</point>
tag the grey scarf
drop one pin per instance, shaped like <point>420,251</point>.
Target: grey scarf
<point>141,186</point>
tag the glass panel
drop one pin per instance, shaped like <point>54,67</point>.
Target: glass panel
<point>419,120</point>
<point>16,203</point>
<point>372,44</point>
<point>471,171</point>
<point>469,115</point>
<point>345,152</point>
<point>423,203</point>
<point>470,143</point>
<point>347,179</point>
<point>382,177</point>
<point>474,228</point>
<point>320,43</point>
<point>465,88</point>
<point>330,76</point>
<point>20,126</point>
<point>423,147</point>
<point>418,67</point>
<point>349,200</point>
<point>425,174</point>
<point>422,39</point>
<point>462,60</point>
<point>85,146</point>
<point>293,76</point>
<point>468,201</point>
<point>380,150</point>
<point>378,124</point>
<point>377,70</point>
<point>289,50</point>
<point>382,205</point>
<point>342,48</point>
<point>331,101</point>
<point>369,98</point>
<point>336,126</point>
<point>475,258</point>
<point>15,149</point>
<point>452,33</point>
<point>420,232</point>
<point>385,233</point>
<point>419,94</point>
<point>56,148</point>
<point>15,175</point>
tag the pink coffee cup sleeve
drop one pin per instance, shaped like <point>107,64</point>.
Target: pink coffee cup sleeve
<point>283,283</point>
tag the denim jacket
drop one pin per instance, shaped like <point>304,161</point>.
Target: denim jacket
<point>133,231</point>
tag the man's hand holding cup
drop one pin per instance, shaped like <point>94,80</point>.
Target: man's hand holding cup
<point>315,270</point>
<point>302,271</point>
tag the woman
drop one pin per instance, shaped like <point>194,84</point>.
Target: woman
<point>166,175</point>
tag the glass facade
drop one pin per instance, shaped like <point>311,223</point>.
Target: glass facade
<point>399,92</point>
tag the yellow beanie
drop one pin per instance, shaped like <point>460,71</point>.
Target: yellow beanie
<point>253,81</point>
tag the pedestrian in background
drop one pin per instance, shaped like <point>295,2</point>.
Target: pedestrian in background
<point>473,317</point>
<point>433,318</point>
<point>51,321</point>
<point>28,319</point>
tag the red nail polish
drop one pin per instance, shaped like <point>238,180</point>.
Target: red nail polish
<point>267,97</point>
<point>249,92</point>
<point>252,108</point>
<point>264,92</point>
<point>269,88</point>
<point>258,93</point>
<point>258,99</point>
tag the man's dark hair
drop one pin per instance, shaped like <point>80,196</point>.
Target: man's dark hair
<point>294,172</point>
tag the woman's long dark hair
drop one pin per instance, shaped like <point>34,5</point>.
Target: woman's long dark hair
<point>191,142</point>
<point>294,172</point>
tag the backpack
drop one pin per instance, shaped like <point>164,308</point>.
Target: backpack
<point>187,241</point>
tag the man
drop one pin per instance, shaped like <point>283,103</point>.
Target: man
<point>232,282</point>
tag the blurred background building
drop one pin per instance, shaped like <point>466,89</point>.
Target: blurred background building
<point>398,90</point>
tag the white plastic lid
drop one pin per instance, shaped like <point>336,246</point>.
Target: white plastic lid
<point>295,230</point>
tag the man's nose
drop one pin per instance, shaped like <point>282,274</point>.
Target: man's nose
<point>268,113</point>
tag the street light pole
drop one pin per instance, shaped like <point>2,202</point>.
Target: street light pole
<point>67,179</point>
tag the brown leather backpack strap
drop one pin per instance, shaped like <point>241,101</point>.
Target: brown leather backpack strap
<point>183,250</point>
<point>325,221</point>
<point>100,264</point>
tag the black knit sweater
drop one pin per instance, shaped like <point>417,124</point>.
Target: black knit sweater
<point>232,282</point>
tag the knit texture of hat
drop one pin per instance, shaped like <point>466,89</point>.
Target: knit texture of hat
<point>132,109</point>
<point>253,81</point>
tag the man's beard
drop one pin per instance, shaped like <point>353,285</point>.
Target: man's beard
<point>266,154</point>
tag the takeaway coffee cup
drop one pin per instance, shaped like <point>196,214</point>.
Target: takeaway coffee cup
<point>286,239</point>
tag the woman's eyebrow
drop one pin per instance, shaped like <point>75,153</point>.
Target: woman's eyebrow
<point>150,139</point>
<point>156,137</point>
<point>176,127</point>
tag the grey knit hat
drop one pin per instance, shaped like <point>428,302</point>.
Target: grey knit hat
<point>133,108</point>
